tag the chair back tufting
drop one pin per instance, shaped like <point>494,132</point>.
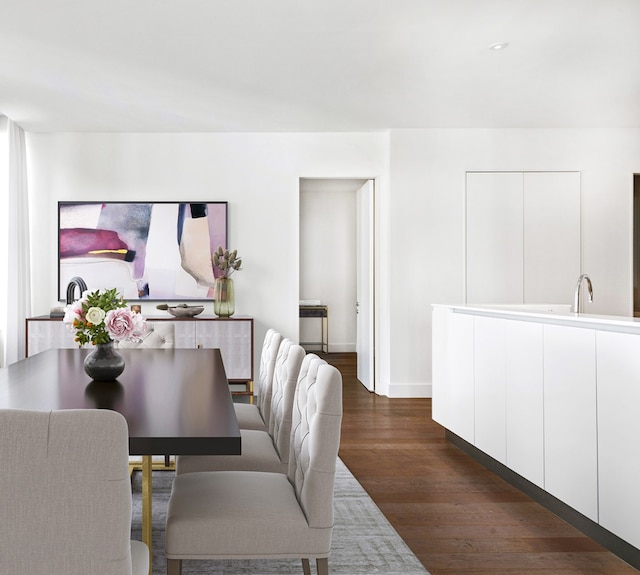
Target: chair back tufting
<point>315,439</point>
<point>158,335</point>
<point>285,378</point>
<point>270,346</point>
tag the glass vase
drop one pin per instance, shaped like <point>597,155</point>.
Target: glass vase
<point>104,363</point>
<point>224,302</point>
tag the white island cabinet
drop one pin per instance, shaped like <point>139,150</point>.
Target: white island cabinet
<point>454,408</point>
<point>552,397</point>
<point>489,340</point>
<point>524,399</point>
<point>461,366</point>
<point>618,375</point>
<point>570,455</point>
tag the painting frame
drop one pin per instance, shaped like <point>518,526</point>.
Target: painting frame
<point>149,251</point>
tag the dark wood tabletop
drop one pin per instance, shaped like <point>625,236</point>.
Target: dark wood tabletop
<point>175,401</point>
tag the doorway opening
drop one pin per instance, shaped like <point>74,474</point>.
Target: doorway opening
<point>332,244</point>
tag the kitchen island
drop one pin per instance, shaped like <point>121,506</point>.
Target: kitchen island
<point>550,400</point>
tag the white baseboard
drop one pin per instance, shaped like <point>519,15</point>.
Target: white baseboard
<point>334,347</point>
<point>409,390</point>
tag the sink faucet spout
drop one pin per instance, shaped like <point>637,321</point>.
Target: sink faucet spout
<point>577,303</point>
<point>71,288</point>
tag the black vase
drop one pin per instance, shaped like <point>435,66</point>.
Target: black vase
<point>104,363</point>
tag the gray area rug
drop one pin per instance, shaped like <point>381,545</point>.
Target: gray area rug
<point>363,543</point>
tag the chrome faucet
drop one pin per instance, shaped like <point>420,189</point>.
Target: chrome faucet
<point>577,308</point>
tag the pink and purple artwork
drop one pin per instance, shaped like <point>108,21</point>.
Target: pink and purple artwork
<point>155,251</point>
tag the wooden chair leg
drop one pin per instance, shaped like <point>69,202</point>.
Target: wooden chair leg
<point>322,565</point>
<point>306,568</point>
<point>174,566</point>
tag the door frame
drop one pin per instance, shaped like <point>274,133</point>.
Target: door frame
<point>373,272</point>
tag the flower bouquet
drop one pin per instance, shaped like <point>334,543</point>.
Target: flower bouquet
<point>100,318</point>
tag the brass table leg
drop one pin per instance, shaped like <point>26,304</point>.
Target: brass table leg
<point>147,493</point>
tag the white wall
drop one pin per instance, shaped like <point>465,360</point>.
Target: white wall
<point>419,200</point>
<point>328,258</point>
<point>258,174</point>
<point>427,176</point>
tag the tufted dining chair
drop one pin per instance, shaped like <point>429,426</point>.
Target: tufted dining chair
<point>251,514</point>
<point>256,416</point>
<point>158,335</point>
<point>262,451</point>
<point>65,494</point>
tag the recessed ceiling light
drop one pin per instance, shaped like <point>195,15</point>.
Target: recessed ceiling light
<point>498,46</point>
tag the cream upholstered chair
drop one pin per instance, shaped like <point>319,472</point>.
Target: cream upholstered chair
<point>252,514</point>
<point>262,451</point>
<point>65,494</point>
<point>256,416</point>
<point>158,335</point>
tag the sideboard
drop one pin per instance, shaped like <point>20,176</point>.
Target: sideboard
<point>233,336</point>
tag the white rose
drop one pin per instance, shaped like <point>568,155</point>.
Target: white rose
<point>95,315</point>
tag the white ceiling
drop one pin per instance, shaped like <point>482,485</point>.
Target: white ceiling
<point>318,65</point>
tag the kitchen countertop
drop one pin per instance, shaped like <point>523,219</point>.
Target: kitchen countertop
<point>557,314</point>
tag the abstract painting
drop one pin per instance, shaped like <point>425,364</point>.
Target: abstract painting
<point>148,251</point>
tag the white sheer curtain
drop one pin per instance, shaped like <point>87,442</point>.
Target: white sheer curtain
<point>16,303</point>
<point>4,194</point>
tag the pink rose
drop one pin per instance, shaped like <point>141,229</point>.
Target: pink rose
<point>120,323</point>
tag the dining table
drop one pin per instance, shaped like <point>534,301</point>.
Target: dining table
<point>175,401</point>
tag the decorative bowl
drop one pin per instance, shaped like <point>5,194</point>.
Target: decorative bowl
<point>185,310</point>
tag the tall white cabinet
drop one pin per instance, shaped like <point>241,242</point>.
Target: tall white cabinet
<point>523,236</point>
<point>495,239</point>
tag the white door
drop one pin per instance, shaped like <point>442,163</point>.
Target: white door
<point>523,236</point>
<point>364,284</point>
<point>551,236</point>
<point>494,238</point>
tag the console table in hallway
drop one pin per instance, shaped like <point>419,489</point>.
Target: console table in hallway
<point>322,312</point>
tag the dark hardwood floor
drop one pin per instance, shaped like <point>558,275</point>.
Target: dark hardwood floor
<point>455,515</point>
